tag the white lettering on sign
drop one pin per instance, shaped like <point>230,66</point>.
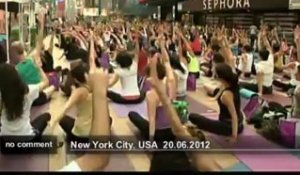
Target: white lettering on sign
<point>225,4</point>
<point>230,4</point>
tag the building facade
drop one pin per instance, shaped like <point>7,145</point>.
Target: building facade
<point>242,13</point>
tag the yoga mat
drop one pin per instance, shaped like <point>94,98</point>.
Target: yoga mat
<point>23,163</point>
<point>27,162</point>
<point>118,163</point>
<point>240,167</point>
<point>123,110</point>
<point>255,161</point>
<point>297,153</point>
<point>284,101</point>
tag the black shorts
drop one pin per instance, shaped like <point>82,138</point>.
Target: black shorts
<point>41,100</point>
<point>197,74</point>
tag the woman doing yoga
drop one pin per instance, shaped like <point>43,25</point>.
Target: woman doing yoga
<point>202,162</point>
<point>16,100</point>
<point>78,129</point>
<point>95,162</point>
<point>127,73</point>
<point>230,121</point>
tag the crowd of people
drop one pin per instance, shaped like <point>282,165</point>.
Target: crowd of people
<point>169,56</point>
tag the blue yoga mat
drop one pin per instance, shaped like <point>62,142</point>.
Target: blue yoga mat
<point>247,94</point>
<point>240,167</point>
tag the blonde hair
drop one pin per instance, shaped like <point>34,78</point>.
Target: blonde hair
<point>196,133</point>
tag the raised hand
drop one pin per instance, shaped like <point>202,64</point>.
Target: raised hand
<point>98,79</point>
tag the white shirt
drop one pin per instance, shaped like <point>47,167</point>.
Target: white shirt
<point>293,77</point>
<point>71,167</point>
<point>22,125</point>
<point>268,70</point>
<point>106,37</point>
<point>253,30</point>
<point>271,59</point>
<point>182,80</point>
<point>128,78</point>
<point>246,67</point>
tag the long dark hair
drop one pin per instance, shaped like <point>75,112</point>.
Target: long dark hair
<point>225,72</point>
<point>13,90</point>
<point>175,64</point>
<point>78,73</point>
<point>161,70</point>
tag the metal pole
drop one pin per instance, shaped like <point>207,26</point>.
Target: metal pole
<point>21,28</point>
<point>174,12</point>
<point>7,31</point>
<point>159,13</point>
<point>30,23</point>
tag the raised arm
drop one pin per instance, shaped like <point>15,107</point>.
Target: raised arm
<point>185,42</point>
<point>51,44</point>
<point>297,41</point>
<point>203,162</point>
<point>92,162</point>
<point>180,53</point>
<point>171,81</point>
<point>40,37</point>
<point>96,162</point>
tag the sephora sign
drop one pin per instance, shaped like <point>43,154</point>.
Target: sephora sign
<point>226,4</point>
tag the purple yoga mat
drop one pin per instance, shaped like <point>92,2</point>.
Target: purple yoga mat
<point>123,110</point>
<point>27,162</point>
<point>118,163</point>
<point>24,163</point>
<point>274,98</point>
<point>255,161</point>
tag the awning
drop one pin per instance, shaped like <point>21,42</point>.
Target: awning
<point>234,5</point>
<point>13,5</point>
<point>163,2</point>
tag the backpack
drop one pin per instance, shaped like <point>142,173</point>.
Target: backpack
<point>182,110</point>
<point>271,111</point>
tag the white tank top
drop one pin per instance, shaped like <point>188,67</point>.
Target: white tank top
<point>128,78</point>
<point>247,66</point>
<point>182,80</point>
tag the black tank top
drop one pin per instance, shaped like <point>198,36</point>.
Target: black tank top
<point>224,112</point>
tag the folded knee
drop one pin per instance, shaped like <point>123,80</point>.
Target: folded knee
<point>47,116</point>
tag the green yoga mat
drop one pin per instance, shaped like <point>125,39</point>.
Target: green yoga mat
<point>34,33</point>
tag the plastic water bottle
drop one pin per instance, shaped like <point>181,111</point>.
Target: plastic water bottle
<point>289,114</point>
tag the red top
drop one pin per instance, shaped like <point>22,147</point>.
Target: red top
<point>196,45</point>
<point>142,63</point>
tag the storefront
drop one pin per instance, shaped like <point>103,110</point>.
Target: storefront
<point>240,12</point>
<point>167,8</point>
